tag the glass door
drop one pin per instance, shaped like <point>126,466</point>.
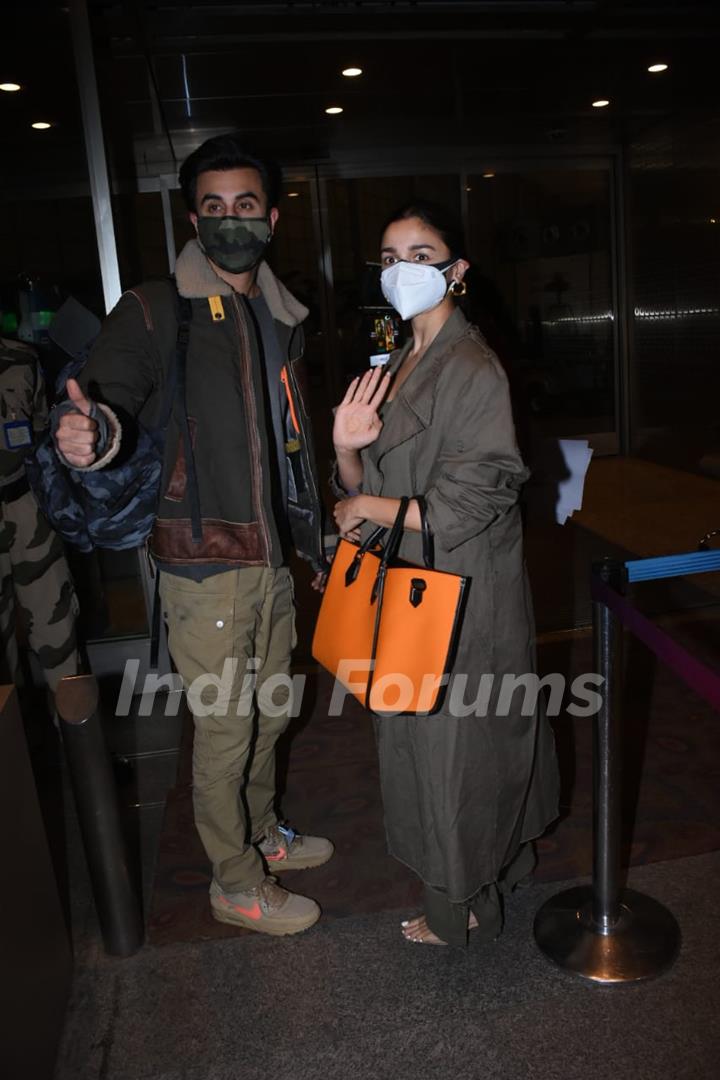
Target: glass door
<point>542,246</point>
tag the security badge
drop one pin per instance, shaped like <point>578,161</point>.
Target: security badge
<point>18,434</point>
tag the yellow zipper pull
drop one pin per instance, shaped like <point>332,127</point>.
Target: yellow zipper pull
<point>216,308</point>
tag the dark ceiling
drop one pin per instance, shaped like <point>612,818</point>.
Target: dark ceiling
<point>435,75</point>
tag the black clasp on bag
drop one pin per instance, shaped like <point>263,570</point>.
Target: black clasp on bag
<point>417,588</point>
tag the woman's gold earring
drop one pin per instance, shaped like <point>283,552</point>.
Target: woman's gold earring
<point>458,288</point>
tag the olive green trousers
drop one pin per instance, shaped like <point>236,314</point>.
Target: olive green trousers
<point>231,637</point>
<point>449,921</point>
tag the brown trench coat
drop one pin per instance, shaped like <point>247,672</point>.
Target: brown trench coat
<point>461,793</point>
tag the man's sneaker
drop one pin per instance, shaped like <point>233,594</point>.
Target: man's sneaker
<point>284,849</point>
<point>267,908</point>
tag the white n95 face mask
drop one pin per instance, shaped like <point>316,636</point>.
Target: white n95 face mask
<point>413,288</point>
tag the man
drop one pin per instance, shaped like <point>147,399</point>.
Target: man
<point>239,484</point>
<point>36,589</point>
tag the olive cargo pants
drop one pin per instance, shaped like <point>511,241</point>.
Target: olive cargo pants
<point>228,635</point>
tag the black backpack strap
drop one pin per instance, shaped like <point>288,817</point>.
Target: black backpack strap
<point>183,340</point>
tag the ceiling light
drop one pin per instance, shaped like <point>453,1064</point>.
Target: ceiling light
<point>41,125</point>
<point>10,87</point>
<point>333,110</point>
<point>488,175</point>
<point>352,72</point>
<point>468,189</point>
<point>293,194</point>
<point>654,68</point>
<point>600,103</point>
<point>712,220</point>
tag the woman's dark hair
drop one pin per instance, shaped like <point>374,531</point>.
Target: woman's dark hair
<point>482,305</point>
<point>221,153</point>
<point>436,217</point>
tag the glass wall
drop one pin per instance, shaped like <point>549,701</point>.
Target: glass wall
<point>676,323</point>
<point>540,241</point>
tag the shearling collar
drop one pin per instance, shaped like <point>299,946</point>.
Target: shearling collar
<point>195,278</point>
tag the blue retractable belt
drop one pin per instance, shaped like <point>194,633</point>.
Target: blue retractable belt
<point>666,566</point>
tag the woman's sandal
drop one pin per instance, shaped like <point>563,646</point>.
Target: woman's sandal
<point>423,927</point>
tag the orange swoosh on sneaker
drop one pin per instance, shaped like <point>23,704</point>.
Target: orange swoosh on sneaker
<point>253,913</point>
<point>276,856</point>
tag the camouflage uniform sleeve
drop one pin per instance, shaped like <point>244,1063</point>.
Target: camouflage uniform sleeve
<point>123,366</point>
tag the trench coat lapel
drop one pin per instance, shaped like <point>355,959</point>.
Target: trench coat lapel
<point>412,409</point>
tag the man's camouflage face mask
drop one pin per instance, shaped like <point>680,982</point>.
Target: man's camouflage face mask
<point>234,244</point>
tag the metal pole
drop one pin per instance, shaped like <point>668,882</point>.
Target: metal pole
<point>318,199</point>
<point>95,150</point>
<point>607,637</point>
<point>93,785</point>
<point>603,932</point>
<point>168,224</point>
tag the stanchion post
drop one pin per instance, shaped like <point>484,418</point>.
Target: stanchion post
<point>93,784</point>
<point>603,932</point>
<point>607,824</point>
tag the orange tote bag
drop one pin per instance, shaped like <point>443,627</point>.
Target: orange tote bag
<point>345,629</point>
<point>388,629</point>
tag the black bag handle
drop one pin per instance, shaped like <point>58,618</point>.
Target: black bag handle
<point>390,550</point>
<point>427,536</point>
<point>374,538</point>
<point>393,541</point>
<point>354,568</point>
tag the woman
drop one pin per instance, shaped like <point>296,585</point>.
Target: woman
<point>464,794</point>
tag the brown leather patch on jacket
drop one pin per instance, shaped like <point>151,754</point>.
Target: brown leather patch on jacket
<point>178,481</point>
<point>237,543</point>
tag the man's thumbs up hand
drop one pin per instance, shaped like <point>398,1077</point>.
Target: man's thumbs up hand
<point>75,394</point>
<point>77,433</point>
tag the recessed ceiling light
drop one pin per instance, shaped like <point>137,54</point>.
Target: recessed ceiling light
<point>488,175</point>
<point>657,67</point>
<point>352,72</point>
<point>41,125</point>
<point>600,103</point>
<point>333,110</point>
<point>293,194</point>
<point>468,189</point>
<point>10,87</point>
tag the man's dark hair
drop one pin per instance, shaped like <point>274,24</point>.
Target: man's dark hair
<point>220,154</point>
